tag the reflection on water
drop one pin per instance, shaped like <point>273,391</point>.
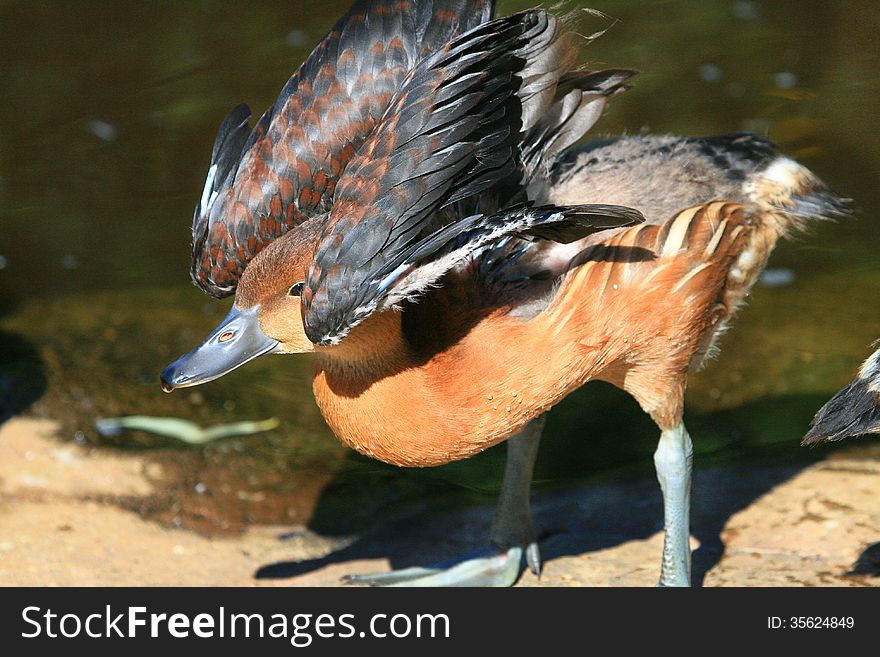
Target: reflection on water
<point>106,127</point>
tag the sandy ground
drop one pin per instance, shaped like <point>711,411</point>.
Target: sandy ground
<point>61,524</point>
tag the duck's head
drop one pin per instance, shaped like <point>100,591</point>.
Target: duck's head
<point>266,317</point>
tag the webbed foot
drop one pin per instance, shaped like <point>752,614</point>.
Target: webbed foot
<point>487,567</point>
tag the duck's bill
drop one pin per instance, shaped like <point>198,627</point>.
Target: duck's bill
<point>237,340</point>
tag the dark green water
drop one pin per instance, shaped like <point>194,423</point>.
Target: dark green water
<point>107,119</point>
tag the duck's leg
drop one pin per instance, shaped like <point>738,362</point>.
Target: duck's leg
<point>512,535</point>
<point>673,461</point>
<point>512,526</point>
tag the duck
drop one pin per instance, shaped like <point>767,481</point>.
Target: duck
<point>461,370</point>
<point>480,327</point>
<point>852,411</point>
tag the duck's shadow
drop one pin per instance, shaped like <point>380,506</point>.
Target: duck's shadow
<point>587,518</point>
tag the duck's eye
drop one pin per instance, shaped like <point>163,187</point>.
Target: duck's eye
<point>296,290</point>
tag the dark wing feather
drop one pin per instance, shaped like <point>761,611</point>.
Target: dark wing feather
<point>853,411</point>
<point>424,263</point>
<point>449,133</point>
<point>285,170</point>
<point>564,116</point>
<point>548,222</point>
<point>580,98</point>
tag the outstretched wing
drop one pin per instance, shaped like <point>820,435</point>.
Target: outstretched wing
<point>424,263</point>
<point>450,132</point>
<point>264,181</point>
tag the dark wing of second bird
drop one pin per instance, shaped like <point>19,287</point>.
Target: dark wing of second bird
<point>853,411</point>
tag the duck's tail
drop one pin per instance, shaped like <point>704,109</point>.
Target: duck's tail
<point>853,411</point>
<point>785,196</point>
<point>790,195</point>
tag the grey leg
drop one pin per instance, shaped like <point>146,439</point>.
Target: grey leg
<point>512,525</point>
<point>512,535</point>
<point>673,460</point>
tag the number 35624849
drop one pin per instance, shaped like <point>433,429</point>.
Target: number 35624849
<point>810,622</point>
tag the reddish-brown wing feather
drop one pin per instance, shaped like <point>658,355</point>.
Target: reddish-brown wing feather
<point>263,182</point>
